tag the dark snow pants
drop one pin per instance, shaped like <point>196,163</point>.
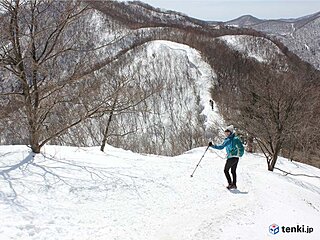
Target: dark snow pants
<point>232,164</point>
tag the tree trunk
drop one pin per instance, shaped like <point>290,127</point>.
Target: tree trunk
<point>105,134</point>
<point>34,141</point>
<point>250,144</point>
<point>275,155</point>
<point>272,164</point>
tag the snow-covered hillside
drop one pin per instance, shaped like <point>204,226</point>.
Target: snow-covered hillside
<point>300,35</point>
<point>82,193</point>
<point>179,112</point>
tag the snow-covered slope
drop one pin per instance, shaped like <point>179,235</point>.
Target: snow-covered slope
<point>252,47</point>
<point>179,112</point>
<point>82,193</point>
<point>300,35</point>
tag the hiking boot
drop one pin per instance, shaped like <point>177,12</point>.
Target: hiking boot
<point>232,186</point>
<point>229,186</point>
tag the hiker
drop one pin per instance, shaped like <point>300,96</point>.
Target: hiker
<point>235,150</point>
<point>211,104</point>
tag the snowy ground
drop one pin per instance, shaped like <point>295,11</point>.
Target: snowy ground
<point>82,193</point>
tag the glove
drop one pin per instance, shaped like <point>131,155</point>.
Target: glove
<point>210,144</point>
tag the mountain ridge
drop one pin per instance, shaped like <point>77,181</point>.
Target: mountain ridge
<point>301,35</point>
<point>298,20</point>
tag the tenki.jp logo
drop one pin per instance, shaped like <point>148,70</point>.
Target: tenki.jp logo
<point>275,229</point>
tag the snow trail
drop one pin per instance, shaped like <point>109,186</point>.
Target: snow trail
<point>82,193</point>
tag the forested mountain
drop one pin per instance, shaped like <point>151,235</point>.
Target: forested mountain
<point>301,35</point>
<point>90,72</point>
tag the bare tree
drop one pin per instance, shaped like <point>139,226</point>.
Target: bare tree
<point>274,107</point>
<point>274,102</point>
<point>42,67</point>
<point>127,94</point>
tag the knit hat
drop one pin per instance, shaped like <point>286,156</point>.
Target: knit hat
<point>229,129</point>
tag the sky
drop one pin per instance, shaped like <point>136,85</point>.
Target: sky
<point>224,10</point>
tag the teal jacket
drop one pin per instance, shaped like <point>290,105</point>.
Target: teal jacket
<point>233,146</point>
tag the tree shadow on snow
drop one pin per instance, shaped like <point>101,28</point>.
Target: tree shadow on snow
<point>50,172</point>
<point>5,173</point>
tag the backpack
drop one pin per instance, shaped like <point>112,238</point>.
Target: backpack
<point>237,148</point>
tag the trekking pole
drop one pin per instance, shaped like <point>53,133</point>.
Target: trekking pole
<point>199,161</point>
